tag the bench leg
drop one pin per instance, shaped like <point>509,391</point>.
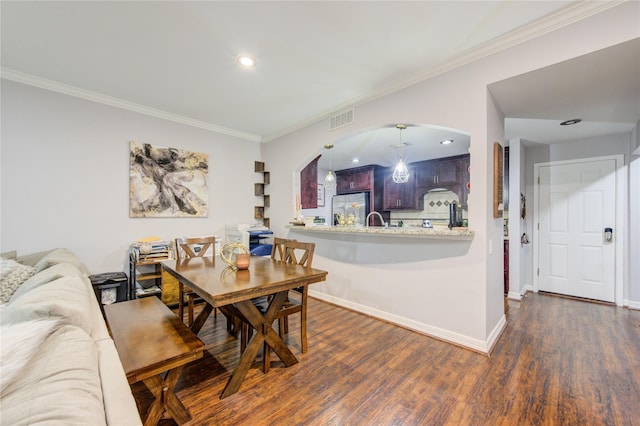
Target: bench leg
<point>166,399</point>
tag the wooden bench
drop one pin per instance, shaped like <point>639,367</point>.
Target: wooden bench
<point>152,340</point>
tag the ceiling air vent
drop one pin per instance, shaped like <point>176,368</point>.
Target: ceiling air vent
<point>341,119</point>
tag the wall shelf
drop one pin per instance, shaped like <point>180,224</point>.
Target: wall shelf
<point>259,212</point>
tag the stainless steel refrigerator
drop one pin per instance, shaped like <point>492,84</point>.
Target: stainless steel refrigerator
<point>356,204</point>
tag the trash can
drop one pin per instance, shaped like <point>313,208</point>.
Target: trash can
<point>110,287</point>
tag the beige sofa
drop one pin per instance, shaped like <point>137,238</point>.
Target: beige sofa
<point>59,364</point>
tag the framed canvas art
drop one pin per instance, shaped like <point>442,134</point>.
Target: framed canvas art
<point>167,182</point>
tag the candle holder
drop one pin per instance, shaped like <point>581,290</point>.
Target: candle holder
<point>243,260</point>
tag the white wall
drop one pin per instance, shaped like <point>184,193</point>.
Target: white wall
<point>65,176</point>
<point>451,290</point>
<point>64,182</point>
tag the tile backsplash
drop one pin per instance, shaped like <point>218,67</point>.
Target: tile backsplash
<point>436,208</point>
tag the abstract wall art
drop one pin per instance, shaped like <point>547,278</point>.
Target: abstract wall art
<point>167,182</point>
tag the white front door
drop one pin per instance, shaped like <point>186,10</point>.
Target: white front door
<point>576,202</point>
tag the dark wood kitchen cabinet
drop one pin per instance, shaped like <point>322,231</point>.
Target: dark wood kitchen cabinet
<point>401,196</point>
<point>450,173</point>
<point>309,185</point>
<point>358,179</point>
<point>442,171</point>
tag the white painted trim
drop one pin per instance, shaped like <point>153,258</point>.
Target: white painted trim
<point>632,305</point>
<point>89,95</point>
<point>514,295</point>
<point>620,228</point>
<point>429,330</point>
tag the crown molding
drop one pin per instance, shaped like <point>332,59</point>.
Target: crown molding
<point>571,14</point>
<point>43,83</point>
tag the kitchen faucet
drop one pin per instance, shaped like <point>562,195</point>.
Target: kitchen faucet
<point>382,222</point>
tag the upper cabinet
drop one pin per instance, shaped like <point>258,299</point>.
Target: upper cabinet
<point>401,196</point>
<point>359,179</point>
<point>450,173</point>
<point>309,185</point>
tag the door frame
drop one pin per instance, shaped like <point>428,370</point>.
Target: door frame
<point>620,233</point>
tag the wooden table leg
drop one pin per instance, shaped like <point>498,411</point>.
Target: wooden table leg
<point>166,399</point>
<point>264,333</point>
<point>198,323</point>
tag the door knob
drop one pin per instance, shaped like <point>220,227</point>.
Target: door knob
<point>608,234</point>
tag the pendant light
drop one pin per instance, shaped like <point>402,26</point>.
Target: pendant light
<point>401,173</point>
<point>330,180</point>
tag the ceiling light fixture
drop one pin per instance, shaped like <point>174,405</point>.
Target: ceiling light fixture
<point>330,179</point>
<point>401,173</point>
<point>570,122</point>
<point>446,142</point>
<point>246,61</point>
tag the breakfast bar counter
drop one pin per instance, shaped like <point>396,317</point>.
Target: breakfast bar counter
<point>406,231</point>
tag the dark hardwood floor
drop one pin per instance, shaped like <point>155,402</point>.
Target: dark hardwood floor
<point>559,362</point>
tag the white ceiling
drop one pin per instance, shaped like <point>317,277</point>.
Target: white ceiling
<point>176,60</point>
<point>601,88</point>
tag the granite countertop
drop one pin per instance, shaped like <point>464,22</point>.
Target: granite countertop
<point>437,232</point>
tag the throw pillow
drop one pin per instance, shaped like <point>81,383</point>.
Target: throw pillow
<point>12,276</point>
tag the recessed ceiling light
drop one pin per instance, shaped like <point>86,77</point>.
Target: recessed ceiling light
<point>246,61</point>
<point>355,160</point>
<point>570,122</point>
<point>446,142</point>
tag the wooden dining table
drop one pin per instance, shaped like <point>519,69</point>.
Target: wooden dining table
<point>219,285</point>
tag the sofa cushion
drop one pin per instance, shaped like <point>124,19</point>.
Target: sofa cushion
<point>32,258</point>
<point>19,342</point>
<point>60,384</point>
<point>12,275</point>
<point>13,254</point>
<point>60,255</point>
<point>119,405</point>
<point>50,274</point>
<point>66,298</point>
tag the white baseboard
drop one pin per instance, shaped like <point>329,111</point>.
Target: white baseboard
<point>633,305</point>
<point>514,295</point>
<point>429,330</point>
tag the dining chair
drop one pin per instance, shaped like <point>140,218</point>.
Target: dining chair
<point>278,251</point>
<point>299,253</point>
<point>186,248</point>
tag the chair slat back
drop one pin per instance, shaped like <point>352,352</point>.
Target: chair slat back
<point>185,246</point>
<point>300,253</point>
<point>278,250</point>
